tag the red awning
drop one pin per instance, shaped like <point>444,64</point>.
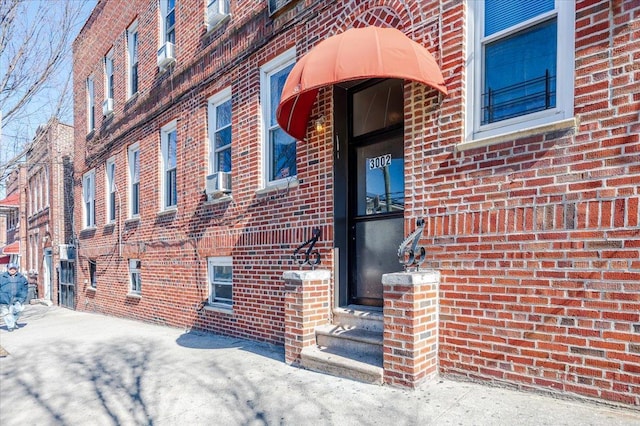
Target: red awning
<point>13,248</point>
<point>358,53</point>
<point>4,260</point>
<point>13,200</point>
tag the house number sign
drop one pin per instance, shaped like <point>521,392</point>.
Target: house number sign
<point>379,162</point>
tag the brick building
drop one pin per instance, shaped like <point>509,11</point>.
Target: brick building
<point>49,207</point>
<point>510,146</point>
<point>14,248</point>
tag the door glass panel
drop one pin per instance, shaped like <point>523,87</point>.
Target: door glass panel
<point>380,177</point>
<point>378,107</point>
<point>376,247</point>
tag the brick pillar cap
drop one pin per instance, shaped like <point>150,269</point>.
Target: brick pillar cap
<point>412,278</point>
<point>318,274</point>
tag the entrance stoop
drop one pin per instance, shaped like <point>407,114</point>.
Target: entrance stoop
<point>351,347</point>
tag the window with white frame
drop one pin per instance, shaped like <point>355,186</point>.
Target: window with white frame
<point>134,180</point>
<point>110,187</point>
<point>135,281</point>
<point>220,132</point>
<point>93,273</point>
<point>91,106</point>
<point>279,149</point>
<point>168,20</point>
<point>108,82</point>
<point>168,163</point>
<point>88,199</point>
<point>132,60</point>
<point>521,55</point>
<point>220,280</point>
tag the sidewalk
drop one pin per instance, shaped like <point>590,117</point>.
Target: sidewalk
<point>71,368</point>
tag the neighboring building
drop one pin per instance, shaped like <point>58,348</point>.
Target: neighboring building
<point>9,247</point>
<point>49,210</point>
<point>204,158</point>
<point>14,247</point>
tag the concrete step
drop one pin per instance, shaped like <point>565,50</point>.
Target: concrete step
<point>334,361</point>
<point>363,317</point>
<point>349,339</point>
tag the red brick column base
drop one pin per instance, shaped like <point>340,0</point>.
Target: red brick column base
<point>306,306</point>
<point>410,327</point>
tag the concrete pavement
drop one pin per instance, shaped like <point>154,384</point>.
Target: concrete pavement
<point>72,368</point>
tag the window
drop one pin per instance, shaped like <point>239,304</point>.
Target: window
<point>220,280</point>
<point>91,106</point>
<point>111,190</point>
<point>168,21</point>
<point>88,199</point>
<point>108,74</point>
<point>134,276</point>
<point>93,275</point>
<point>518,80</point>
<point>168,145</point>
<point>220,132</point>
<point>132,51</point>
<point>279,148</point>
<point>134,180</point>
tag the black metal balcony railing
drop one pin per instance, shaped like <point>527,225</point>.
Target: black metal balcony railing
<point>310,256</point>
<point>538,94</point>
<point>412,257</point>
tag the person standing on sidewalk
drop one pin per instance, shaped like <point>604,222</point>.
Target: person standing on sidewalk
<point>13,293</point>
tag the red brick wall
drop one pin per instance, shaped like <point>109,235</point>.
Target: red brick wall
<point>537,238</point>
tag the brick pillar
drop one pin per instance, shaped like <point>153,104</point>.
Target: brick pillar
<point>306,306</point>
<point>410,327</point>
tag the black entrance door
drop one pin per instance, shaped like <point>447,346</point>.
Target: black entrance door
<point>376,219</point>
<point>369,187</point>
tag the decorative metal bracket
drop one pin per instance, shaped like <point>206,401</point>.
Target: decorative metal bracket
<point>414,256</point>
<point>310,257</point>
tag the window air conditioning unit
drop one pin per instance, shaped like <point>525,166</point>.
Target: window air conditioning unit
<point>67,252</point>
<point>166,55</point>
<point>217,11</point>
<point>218,183</point>
<point>107,106</point>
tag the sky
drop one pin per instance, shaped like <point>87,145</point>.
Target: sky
<point>22,130</point>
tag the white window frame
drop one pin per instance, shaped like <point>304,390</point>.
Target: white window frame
<point>89,199</point>
<point>135,276</point>
<point>211,263</point>
<point>163,5</point>
<point>214,102</point>
<point>266,71</point>
<point>131,151</point>
<point>110,190</point>
<point>565,12</point>
<point>109,76</point>
<point>132,34</point>
<point>91,105</point>
<point>166,130</point>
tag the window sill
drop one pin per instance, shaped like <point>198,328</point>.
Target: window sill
<point>535,130</point>
<point>219,307</point>
<point>92,289</point>
<point>134,295</point>
<point>221,199</point>
<point>132,220</point>
<point>278,186</point>
<point>168,211</point>
<point>89,229</point>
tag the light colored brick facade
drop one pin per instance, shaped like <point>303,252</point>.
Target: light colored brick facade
<point>49,204</point>
<point>535,233</point>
